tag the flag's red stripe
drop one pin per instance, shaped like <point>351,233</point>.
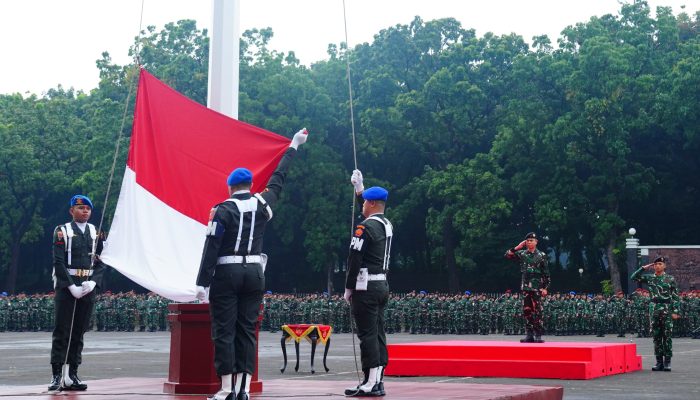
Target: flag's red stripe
<point>182,152</point>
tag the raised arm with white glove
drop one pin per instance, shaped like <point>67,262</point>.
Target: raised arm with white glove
<point>356,180</point>
<point>299,138</point>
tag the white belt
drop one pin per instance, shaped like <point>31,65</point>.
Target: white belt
<point>80,272</point>
<point>239,260</point>
<point>376,277</point>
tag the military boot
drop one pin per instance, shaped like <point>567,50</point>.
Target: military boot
<point>226,391</point>
<point>354,390</point>
<point>371,387</point>
<point>667,364</point>
<point>538,338</point>
<point>76,383</point>
<point>659,364</point>
<point>56,377</point>
<point>528,337</point>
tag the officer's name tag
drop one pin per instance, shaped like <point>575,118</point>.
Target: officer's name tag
<point>362,277</point>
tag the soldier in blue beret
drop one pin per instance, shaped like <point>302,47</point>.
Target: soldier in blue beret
<point>366,286</point>
<point>76,275</point>
<point>233,248</point>
<point>534,284</point>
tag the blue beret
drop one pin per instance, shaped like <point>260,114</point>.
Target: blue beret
<point>467,292</point>
<point>572,292</point>
<point>423,292</point>
<point>80,200</point>
<point>375,193</point>
<point>3,293</point>
<point>268,292</point>
<point>240,175</point>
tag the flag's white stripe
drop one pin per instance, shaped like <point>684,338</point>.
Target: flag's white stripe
<point>152,244</point>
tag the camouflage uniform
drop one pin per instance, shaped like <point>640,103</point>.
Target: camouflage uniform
<point>664,302</point>
<point>535,276</point>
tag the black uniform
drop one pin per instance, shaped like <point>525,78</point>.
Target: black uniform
<point>237,288</point>
<point>369,249</point>
<point>65,275</point>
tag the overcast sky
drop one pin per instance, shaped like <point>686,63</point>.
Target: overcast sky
<point>44,43</point>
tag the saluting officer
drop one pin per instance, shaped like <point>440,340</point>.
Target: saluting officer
<point>534,283</point>
<point>76,274</point>
<point>664,308</point>
<point>366,286</point>
<point>233,248</point>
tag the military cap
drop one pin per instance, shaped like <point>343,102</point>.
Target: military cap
<point>4,294</point>
<point>507,290</point>
<point>268,292</point>
<point>531,235</point>
<point>239,175</point>
<point>467,292</point>
<point>423,292</point>
<point>572,292</point>
<point>661,259</point>
<point>375,193</point>
<point>80,200</point>
<point>619,292</point>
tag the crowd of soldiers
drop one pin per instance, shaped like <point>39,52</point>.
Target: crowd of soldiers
<point>484,314</point>
<point>414,312</point>
<point>127,311</point>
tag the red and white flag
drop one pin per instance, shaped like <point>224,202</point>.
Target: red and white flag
<point>180,156</point>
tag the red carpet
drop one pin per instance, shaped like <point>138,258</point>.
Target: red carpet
<point>553,360</point>
<point>293,389</point>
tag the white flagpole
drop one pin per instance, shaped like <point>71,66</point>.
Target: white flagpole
<point>224,47</point>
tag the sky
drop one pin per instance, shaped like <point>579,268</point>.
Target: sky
<point>44,43</point>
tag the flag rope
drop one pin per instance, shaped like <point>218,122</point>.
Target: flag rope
<point>354,157</point>
<point>98,233</point>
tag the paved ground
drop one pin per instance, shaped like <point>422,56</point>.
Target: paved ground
<point>24,360</point>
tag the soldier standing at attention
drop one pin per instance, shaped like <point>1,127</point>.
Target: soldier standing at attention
<point>75,279</point>
<point>535,281</point>
<point>366,286</point>
<point>233,248</point>
<point>663,309</point>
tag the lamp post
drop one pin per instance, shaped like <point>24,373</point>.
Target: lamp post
<point>580,272</point>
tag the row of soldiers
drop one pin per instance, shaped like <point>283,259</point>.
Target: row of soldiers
<point>441,313</point>
<point>127,311</point>
<point>414,312</point>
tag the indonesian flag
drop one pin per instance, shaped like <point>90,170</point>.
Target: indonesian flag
<point>180,156</point>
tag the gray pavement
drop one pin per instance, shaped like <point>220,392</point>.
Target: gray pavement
<point>24,360</point>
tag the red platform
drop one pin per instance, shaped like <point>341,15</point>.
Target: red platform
<point>292,389</point>
<point>553,360</point>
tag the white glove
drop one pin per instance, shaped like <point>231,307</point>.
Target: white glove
<point>299,138</point>
<point>347,295</point>
<point>202,294</point>
<point>356,180</point>
<point>88,286</point>
<point>77,292</point>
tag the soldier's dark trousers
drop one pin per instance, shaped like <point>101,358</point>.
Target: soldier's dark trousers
<point>532,311</point>
<point>235,297</point>
<point>63,313</point>
<point>368,311</point>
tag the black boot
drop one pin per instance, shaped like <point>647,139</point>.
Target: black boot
<point>56,377</point>
<point>77,383</point>
<point>528,338</point>
<point>667,363</point>
<point>538,338</point>
<point>659,364</point>
<point>354,390</point>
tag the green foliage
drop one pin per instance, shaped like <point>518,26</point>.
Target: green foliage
<point>478,139</point>
<point>606,287</point>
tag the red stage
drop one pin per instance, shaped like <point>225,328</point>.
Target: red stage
<point>553,360</point>
<point>152,389</point>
